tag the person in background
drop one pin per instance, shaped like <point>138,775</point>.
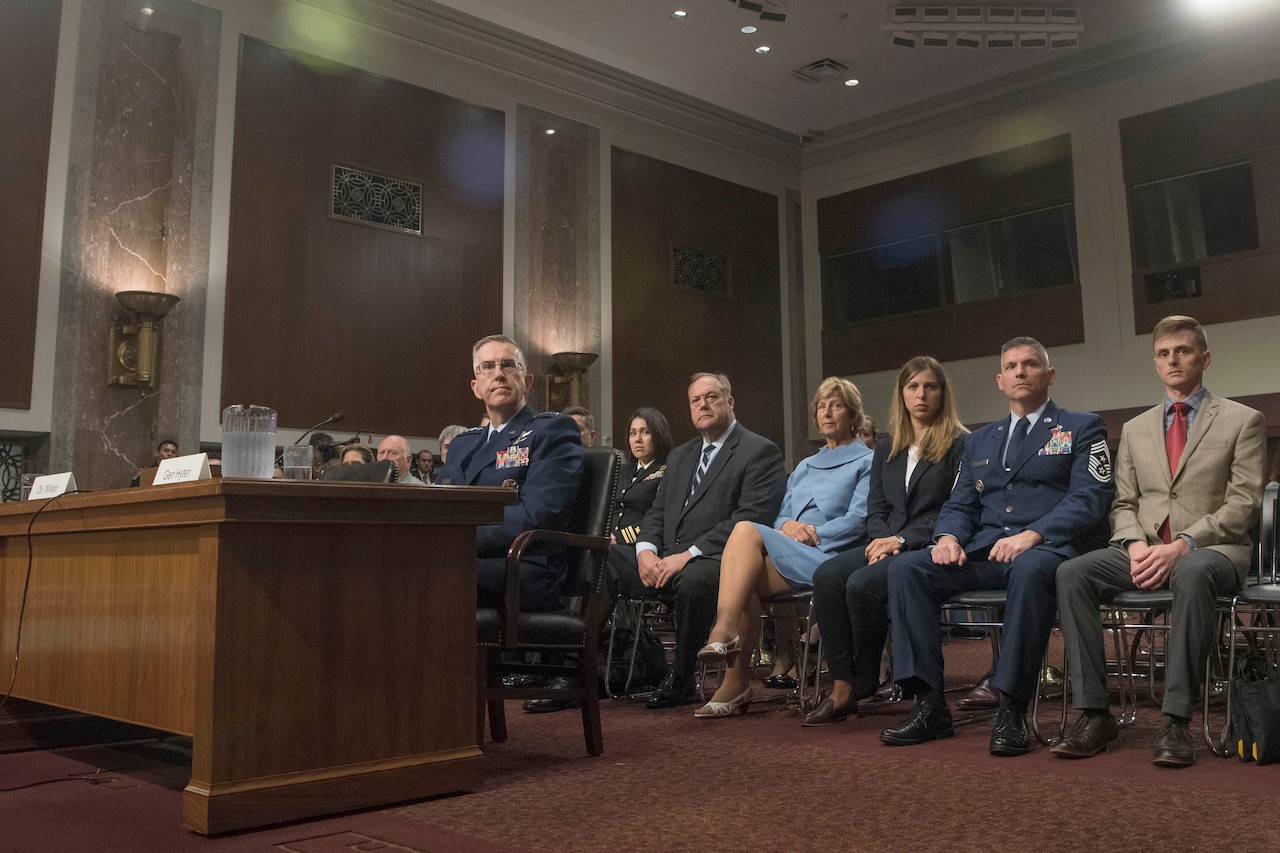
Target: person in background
<point>911,477</point>
<point>447,435</point>
<point>823,512</point>
<point>396,448</point>
<point>356,454</point>
<point>424,464</point>
<point>867,431</point>
<point>586,423</point>
<point>648,443</point>
<point>166,449</point>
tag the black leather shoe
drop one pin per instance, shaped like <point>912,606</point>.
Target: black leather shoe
<point>782,681</point>
<point>931,720</point>
<point>1088,736</point>
<point>671,693</point>
<point>522,679</point>
<point>1009,737</point>
<point>1174,746</point>
<point>548,706</point>
<point>984,697</point>
<point>828,712</point>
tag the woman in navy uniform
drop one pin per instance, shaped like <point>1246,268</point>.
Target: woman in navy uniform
<point>824,512</point>
<point>648,443</point>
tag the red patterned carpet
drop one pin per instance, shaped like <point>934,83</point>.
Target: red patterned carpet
<point>669,782</point>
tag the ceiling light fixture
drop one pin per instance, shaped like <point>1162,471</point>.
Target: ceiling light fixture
<point>764,48</point>
<point>679,14</point>
<point>983,26</point>
<point>550,131</point>
<point>851,83</point>
<point>748,29</point>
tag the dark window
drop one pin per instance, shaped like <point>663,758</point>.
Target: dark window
<point>1187,218</point>
<point>1001,257</point>
<point>894,278</point>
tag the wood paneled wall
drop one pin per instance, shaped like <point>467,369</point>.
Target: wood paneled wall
<point>1011,181</point>
<point>28,61</point>
<point>1215,131</point>
<point>662,334</point>
<point>327,315</point>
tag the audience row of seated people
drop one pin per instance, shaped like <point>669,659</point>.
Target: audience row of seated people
<point>886,538</point>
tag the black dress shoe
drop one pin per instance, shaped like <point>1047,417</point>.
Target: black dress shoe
<point>671,693</point>
<point>1009,737</point>
<point>984,697</point>
<point>931,720</point>
<point>1174,746</point>
<point>781,681</point>
<point>522,679</point>
<point>828,712</point>
<point>548,706</point>
<point>1088,736</point>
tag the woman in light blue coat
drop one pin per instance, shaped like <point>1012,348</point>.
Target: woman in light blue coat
<point>824,512</point>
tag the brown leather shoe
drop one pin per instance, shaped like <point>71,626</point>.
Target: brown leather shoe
<point>827,712</point>
<point>1088,736</point>
<point>1174,746</point>
<point>984,697</point>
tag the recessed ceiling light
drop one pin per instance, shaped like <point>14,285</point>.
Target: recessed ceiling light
<point>679,14</point>
<point>764,48</point>
<point>748,29</point>
<point>550,131</point>
<point>851,83</point>
<point>147,10</point>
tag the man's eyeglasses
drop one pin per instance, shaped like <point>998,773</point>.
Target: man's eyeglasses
<point>507,365</point>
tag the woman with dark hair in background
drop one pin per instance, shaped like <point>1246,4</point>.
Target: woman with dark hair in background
<point>648,443</point>
<point>823,513</point>
<point>912,474</point>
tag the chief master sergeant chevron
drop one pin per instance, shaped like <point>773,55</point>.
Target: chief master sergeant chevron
<point>1029,487</point>
<point>539,452</point>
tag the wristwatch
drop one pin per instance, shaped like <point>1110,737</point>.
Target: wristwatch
<point>902,540</point>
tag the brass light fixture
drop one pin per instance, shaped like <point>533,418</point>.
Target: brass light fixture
<point>135,346</point>
<point>574,365</point>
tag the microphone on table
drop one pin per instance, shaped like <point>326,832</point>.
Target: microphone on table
<point>355,439</point>
<point>332,419</point>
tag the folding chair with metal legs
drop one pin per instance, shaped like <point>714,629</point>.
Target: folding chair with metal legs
<point>636,613</point>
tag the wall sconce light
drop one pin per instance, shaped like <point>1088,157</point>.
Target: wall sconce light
<point>574,365</point>
<point>135,346</point>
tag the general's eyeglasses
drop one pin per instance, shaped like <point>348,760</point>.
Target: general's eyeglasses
<point>507,365</point>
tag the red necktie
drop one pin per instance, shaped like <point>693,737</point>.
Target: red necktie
<point>1175,441</point>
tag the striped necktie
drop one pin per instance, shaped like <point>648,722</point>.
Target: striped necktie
<point>701,472</point>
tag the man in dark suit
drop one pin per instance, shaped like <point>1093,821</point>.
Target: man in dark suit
<point>540,453</point>
<point>1189,479</point>
<point>1030,485</point>
<point>728,474</point>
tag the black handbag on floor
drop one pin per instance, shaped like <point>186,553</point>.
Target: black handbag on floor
<point>1255,711</point>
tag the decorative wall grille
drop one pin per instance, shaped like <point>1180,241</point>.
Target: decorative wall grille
<point>11,458</point>
<point>701,272</point>
<point>377,200</point>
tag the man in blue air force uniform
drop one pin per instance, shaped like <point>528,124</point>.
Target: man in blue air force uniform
<point>1029,487</point>
<point>541,453</point>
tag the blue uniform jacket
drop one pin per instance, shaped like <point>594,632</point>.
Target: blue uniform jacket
<point>1060,485</point>
<point>837,481</point>
<point>542,453</point>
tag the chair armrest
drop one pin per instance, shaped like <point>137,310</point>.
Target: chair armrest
<point>509,617</point>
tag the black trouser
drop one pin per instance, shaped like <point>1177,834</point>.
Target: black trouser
<point>850,602</point>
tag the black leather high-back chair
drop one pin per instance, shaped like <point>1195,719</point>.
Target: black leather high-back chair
<point>571,632</point>
<point>365,472</point>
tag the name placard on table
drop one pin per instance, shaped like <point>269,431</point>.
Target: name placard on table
<point>183,469</point>
<point>52,485</point>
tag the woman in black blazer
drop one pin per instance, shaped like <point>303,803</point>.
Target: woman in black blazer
<point>648,443</point>
<point>912,474</point>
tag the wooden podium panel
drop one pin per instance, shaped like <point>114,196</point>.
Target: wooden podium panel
<point>316,640</point>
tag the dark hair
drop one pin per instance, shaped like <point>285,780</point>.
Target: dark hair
<point>165,441</point>
<point>365,453</point>
<point>583,413</point>
<point>658,428</point>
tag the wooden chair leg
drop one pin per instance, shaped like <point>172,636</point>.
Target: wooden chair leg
<point>482,691</point>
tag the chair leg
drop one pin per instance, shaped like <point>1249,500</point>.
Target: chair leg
<point>482,691</point>
<point>589,681</point>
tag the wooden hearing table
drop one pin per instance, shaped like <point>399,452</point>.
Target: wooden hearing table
<point>315,640</point>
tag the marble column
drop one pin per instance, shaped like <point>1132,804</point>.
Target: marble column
<point>557,245</point>
<point>137,218</point>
